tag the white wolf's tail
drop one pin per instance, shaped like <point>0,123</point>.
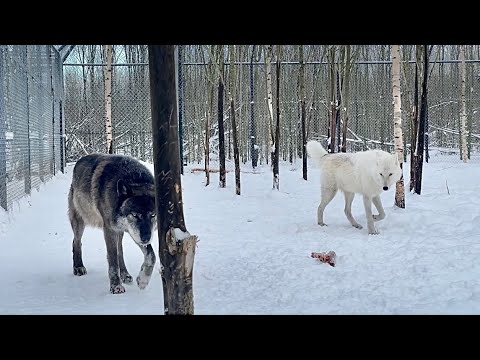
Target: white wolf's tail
<point>316,151</point>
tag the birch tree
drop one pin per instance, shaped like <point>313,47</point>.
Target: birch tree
<point>397,118</point>
<point>108,98</point>
<point>176,245</point>
<point>268,64</point>
<point>276,175</point>
<point>463,107</point>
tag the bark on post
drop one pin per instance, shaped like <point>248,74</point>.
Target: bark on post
<point>236,155</point>
<point>397,118</point>
<point>108,98</point>
<point>463,106</point>
<point>176,245</point>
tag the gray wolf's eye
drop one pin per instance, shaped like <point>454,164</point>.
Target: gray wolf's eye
<point>381,174</point>
<point>390,174</point>
<point>153,215</point>
<point>134,215</point>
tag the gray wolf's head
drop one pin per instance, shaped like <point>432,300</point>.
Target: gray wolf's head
<point>388,168</point>
<point>137,214</point>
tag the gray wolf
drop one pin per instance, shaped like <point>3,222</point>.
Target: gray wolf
<point>368,173</point>
<point>117,194</point>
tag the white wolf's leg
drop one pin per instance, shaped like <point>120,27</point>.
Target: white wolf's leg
<point>348,209</point>
<point>111,240</point>
<point>378,204</point>
<point>124,275</point>
<point>367,203</point>
<point>328,193</point>
<point>147,267</point>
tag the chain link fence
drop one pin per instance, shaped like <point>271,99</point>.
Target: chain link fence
<point>31,123</point>
<point>370,105</point>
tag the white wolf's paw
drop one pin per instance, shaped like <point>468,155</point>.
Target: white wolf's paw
<point>378,217</point>
<point>126,278</point>
<point>322,224</point>
<point>79,271</point>
<point>142,281</point>
<point>358,226</point>
<point>117,289</point>
<point>373,231</point>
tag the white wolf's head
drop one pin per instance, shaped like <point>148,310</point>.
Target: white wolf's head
<point>388,169</point>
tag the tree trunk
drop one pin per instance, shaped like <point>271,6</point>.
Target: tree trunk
<point>463,107</point>
<point>253,135</point>
<point>221,128</point>
<point>276,178</point>
<point>236,155</point>
<point>108,98</point>
<point>397,118</point>
<point>345,96</point>
<point>333,107</point>
<point>303,111</point>
<point>209,107</point>
<point>421,126</point>
<point>268,63</point>
<point>176,245</point>
<point>414,123</point>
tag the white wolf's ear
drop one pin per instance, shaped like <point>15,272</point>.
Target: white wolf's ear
<point>122,188</point>
<point>395,156</point>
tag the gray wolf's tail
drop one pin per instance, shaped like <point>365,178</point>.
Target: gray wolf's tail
<point>316,151</point>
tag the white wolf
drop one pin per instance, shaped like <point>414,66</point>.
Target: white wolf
<point>366,172</point>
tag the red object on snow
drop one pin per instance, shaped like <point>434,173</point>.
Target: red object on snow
<point>325,257</point>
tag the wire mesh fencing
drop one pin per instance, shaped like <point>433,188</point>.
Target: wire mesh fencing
<point>31,123</point>
<point>369,102</point>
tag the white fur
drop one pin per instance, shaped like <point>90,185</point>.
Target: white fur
<point>368,173</point>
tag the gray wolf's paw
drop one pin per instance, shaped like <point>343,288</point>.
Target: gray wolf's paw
<point>322,224</point>
<point>117,289</point>
<point>142,282</point>
<point>377,217</point>
<point>373,231</point>
<point>126,278</point>
<point>358,226</point>
<point>79,271</point>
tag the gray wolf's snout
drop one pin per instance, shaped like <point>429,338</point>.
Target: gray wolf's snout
<point>385,188</point>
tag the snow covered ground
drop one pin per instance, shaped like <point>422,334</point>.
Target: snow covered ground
<point>253,256</point>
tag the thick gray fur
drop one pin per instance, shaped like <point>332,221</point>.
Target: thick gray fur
<point>117,194</point>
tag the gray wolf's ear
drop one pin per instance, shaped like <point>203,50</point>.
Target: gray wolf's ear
<point>122,188</point>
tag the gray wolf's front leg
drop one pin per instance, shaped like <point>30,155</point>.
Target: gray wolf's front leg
<point>146,270</point>
<point>111,240</point>
<point>367,203</point>
<point>124,275</point>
